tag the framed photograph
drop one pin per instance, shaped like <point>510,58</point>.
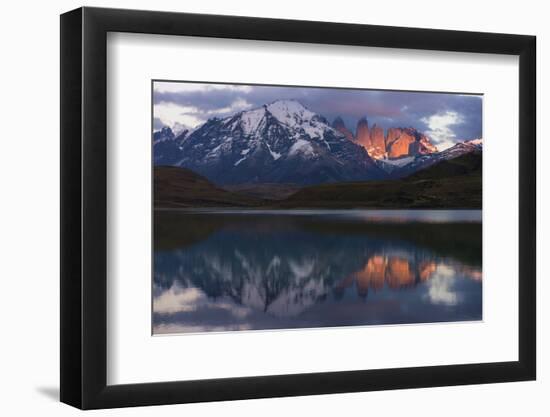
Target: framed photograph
<point>257,208</point>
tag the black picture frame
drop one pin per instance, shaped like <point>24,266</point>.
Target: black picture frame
<point>84,207</point>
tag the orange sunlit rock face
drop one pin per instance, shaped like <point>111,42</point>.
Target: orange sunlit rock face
<point>402,142</point>
<point>372,275</point>
<point>378,146</point>
<point>396,272</point>
<point>392,134</point>
<point>363,133</point>
<point>426,270</point>
<point>376,268</point>
<point>471,272</point>
<point>396,142</point>
<point>399,273</point>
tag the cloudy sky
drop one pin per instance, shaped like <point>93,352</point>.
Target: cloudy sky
<point>445,118</point>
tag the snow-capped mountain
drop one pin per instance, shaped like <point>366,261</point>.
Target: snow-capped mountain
<point>167,146</point>
<point>179,128</point>
<point>402,167</point>
<point>280,142</point>
<point>163,135</point>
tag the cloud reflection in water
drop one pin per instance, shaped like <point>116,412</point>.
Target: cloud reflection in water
<point>275,272</point>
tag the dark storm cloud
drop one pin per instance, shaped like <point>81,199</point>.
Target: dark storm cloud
<point>385,108</point>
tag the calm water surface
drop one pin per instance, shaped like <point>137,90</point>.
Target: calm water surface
<point>222,270</point>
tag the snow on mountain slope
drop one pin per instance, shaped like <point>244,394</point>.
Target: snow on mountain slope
<point>404,166</point>
<point>281,142</point>
<point>477,142</point>
<point>163,135</point>
<point>393,165</point>
<point>290,112</point>
<point>301,146</point>
<point>179,128</point>
<point>167,146</point>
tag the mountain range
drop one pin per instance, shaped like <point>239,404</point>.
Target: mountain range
<point>397,142</point>
<point>302,261</point>
<point>406,166</point>
<point>454,183</point>
<point>285,143</point>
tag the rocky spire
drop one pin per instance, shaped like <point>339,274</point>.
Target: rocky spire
<point>340,126</point>
<point>378,144</point>
<point>408,141</point>
<point>363,133</point>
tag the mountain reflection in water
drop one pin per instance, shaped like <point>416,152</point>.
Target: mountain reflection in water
<point>222,271</point>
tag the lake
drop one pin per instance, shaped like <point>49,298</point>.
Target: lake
<point>226,270</point>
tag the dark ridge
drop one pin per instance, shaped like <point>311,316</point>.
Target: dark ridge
<point>470,163</point>
<point>179,187</point>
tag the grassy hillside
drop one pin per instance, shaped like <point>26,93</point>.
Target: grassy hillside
<point>448,184</point>
<point>468,164</point>
<point>180,188</point>
<point>264,191</point>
